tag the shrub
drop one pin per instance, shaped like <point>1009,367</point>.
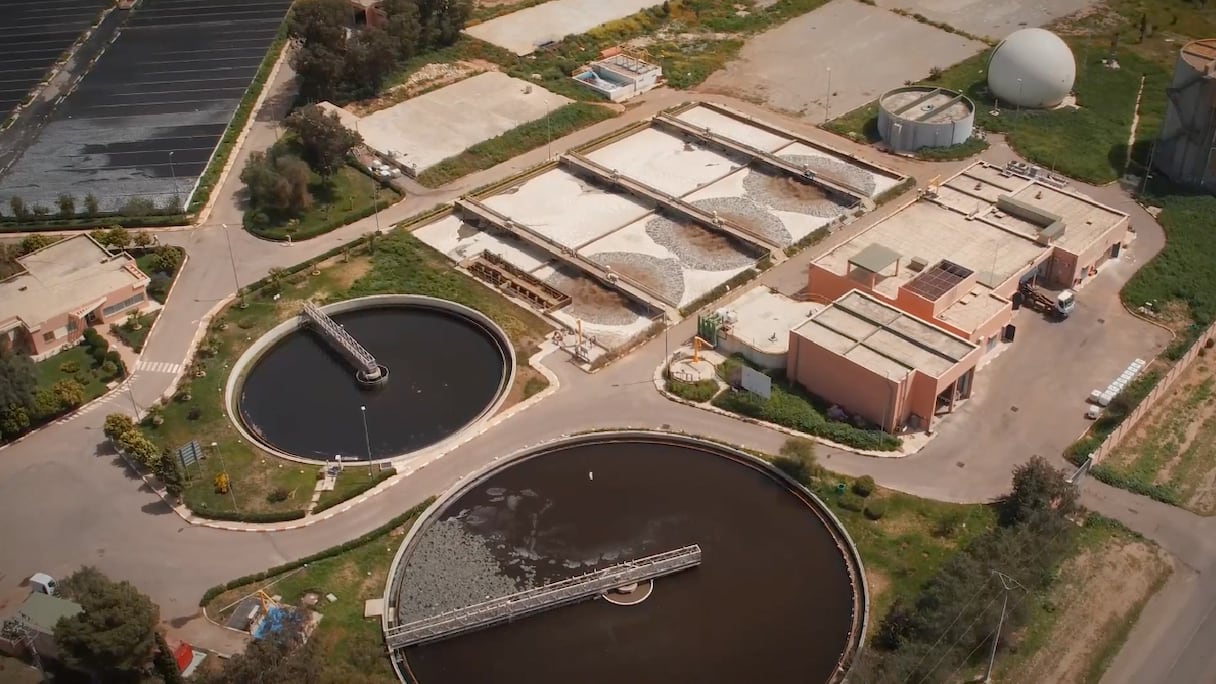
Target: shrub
<point>797,469</point>
<point>194,413</point>
<point>69,393</point>
<point>46,404</point>
<point>699,391</point>
<point>863,486</point>
<point>852,502</point>
<point>98,354</point>
<point>221,483</point>
<point>83,378</point>
<point>875,509</point>
<point>108,369</point>
<point>277,495</point>
<point>69,367</point>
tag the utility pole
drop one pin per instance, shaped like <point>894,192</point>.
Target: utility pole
<point>236,280</point>
<point>16,629</point>
<point>1009,584</point>
<point>827,108</point>
<point>367,440</point>
<point>173,170</point>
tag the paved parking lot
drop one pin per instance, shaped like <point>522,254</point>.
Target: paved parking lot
<point>991,18</point>
<point>868,51</point>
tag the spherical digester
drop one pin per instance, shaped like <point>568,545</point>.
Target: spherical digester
<point>1032,68</point>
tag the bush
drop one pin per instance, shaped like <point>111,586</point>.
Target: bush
<point>277,495</point>
<point>85,378</point>
<point>69,367</point>
<point>875,509</point>
<point>797,469</point>
<point>108,369</point>
<point>69,393</point>
<point>863,486</point>
<point>267,517</point>
<point>699,391</point>
<point>851,502</point>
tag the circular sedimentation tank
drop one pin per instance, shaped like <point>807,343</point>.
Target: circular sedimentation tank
<point>445,367</point>
<point>779,596</point>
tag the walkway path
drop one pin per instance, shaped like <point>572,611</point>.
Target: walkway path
<point>79,505</point>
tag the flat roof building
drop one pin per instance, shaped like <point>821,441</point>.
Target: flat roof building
<point>877,362</point>
<point>955,256</point>
<point>63,288</point>
<point>40,613</point>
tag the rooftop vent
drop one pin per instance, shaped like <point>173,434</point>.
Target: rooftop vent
<point>917,264</point>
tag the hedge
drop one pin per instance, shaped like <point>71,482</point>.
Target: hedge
<point>320,555</point>
<point>891,193</point>
<point>206,182</point>
<point>252,517</point>
<point>813,238</point>
<point>364,486</point>
<point>10,224</point>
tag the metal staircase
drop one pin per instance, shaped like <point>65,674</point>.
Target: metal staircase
<point>365,364</point>
<point>524,603</point>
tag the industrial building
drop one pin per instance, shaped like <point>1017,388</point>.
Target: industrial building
<point>64,288</point>
<point>875,361</point>
<point>1184,151</point>
<point>955,256</point>
<point>619,75</point>
<point>913,117</point>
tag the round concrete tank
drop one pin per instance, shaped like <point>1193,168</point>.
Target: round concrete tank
<point>913,117</point>
<point>1032,68</point>
<point>1184,152</point>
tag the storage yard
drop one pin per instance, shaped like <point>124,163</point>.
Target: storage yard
<point>145,120</point>
<point>652,220</point>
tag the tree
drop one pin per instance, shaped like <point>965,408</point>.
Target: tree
<point>115,236</point>
<point>278,658</point>
<point>114,634</point>
<point>443,20</point>
<point>67,205</point>
<point>404,26</point>
<point>91,207</point>
<point>18,379</point>
<point>319,22</point>
<point>319,72</point>
<point>144,239</point>
<point>117,425</point>
<point>69,393</point>
<point>165,664</point>
<point>169,474</point>
<point>166,259</point>
<point>18,207</point>
<point>370,57</point>
<point>34,242</point>
<point>14,420</point>
<point>1039,494</point>
<point>277,185</point>
<point>323,138</point>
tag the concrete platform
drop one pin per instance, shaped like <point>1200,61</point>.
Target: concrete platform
<point>523,31</point>
<point>427,129</point>
<point>732,128</point>
<point>459,241</point>
<point>660,160</point>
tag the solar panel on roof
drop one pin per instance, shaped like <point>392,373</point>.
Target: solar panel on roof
<point>939,280</point>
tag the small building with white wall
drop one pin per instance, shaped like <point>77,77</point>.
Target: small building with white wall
<point>619,75</point>
<point>757,326</point>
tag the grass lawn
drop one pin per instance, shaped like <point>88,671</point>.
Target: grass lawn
<point>401,264</point>
<point>349,196</point>
<point>523,138</point>
<point>1174,446</point>
<point>351,482</point>
<point>1183,270</point>
<point>135,338</point>
<point>73,364</point>
<point>1089,143</point>
<point>354,644</point>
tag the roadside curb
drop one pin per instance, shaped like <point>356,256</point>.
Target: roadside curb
<point>189,517</point>
<point>661,385</point>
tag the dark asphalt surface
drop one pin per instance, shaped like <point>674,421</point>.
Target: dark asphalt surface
<point>33,35</point>
<point>147,117</point>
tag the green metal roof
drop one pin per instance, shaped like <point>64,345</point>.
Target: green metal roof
<point>42,612</point>
<point>875,258</point>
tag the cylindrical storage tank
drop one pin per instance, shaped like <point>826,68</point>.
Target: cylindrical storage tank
<point>1032,68</point>
<point>914,117</point>
<point>1184,151</point>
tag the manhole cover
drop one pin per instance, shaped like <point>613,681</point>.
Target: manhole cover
<point>1013,408</point>
<point>960,464</point>
<point>1102,320</point>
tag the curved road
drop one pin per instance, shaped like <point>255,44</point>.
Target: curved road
<point>69,501</point>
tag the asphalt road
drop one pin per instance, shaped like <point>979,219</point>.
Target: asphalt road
<point>72,502</point>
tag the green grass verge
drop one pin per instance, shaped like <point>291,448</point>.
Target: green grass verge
<point>135,338</point>
<point>347,197</point>
<point>1089,142</point>
<point>1183,270</point>
<point>698,391</point>
<point>523,138</point>
<point>50,371</point>
<point>352,482</point>
<point>791,407</point>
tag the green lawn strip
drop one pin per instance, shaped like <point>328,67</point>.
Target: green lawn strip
<point>1088,143</point>
<point>353,572</point>
<point>50,371</point>
<point>523,138</point>
<point>135,338</point>
<point>347,197</point>
<point>698,391</point>
<point>351,482</point>
<point>791,407</point>
<point>1183,269</point>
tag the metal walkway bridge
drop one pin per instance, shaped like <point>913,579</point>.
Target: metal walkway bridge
<point>531,601</point>
<point>367,369</point>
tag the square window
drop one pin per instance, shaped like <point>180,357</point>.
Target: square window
<point>48,337</point>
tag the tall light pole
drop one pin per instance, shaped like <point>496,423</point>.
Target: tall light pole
<point>1009,584</point>
<point>173,171</point>
<point>236,280</point>
<point>367,440</point>
<point>827,109</point>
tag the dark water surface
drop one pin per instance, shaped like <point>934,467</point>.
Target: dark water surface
<point>771,602</point>
<point>444,370</point>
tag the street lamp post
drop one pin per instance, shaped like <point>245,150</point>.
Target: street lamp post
<point>827,110</point>
<point>367,440</point>
<point>236,280</point>
<point>173,171</point>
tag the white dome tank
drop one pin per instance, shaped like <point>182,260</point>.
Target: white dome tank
<point>1031,68</point>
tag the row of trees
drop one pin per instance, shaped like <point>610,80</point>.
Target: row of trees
<point>66,207</point>
<point>126,436</point>
<point>335,64</point>
<point>956,614</point>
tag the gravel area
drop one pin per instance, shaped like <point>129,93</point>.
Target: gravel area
<point>593,302</point>
<point>853,175</point>
<point>664,276</point>
<point>784,193</point>
<point>451,568</point>
<point>697,248</point>
<point>748,214</point>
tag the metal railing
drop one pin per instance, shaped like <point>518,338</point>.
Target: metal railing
<point>523,603</point>
<point>346,344</point>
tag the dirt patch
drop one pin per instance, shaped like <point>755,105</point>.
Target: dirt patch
<point>591,301</point>
<point>519,387</point>
<point>877,584</point>
<point>1087,617</point>
<point>792,188</point>
<point>426,78</point>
